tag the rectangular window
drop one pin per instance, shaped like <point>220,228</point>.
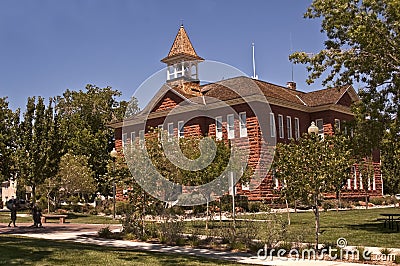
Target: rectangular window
<point>337,125</point>
<point>170,131</point>
<point>133,137</point>
<point>160,131</point>
<point>320,124</point>
<point>272,124</point>
<point>243,125</point>
<point>289,127</point>
<point>231,126</point>
<point>296,128</point>
<point>181,129</point>
<point>373,182</point>
<point>280,126</point>
<point>124,139</point>
<point>218,127</point>
<point>141,138</point>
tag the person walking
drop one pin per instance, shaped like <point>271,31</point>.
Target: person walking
<point>13,210</point>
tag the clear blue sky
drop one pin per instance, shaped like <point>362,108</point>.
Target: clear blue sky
<point>49,46</point>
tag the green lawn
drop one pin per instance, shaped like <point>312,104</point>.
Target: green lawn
<point>359,227</point>
<point>27,251</point>
<point>72,218</point>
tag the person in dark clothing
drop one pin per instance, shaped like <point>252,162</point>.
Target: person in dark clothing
<point>37,216</point>
<point>13,210</point>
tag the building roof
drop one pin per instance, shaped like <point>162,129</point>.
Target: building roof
<point>181,48</point>
<point>224,91</point>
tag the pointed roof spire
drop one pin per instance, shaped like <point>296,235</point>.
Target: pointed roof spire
<point>182,48</point>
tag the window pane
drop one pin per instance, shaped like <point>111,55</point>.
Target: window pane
<point>296,128</point>
<point>243,126</point>
<point>280,125</point>
<point>289,126</point>
<point>218,129</point>
<point>181,129</point>
<point>231,126</point>
<point>272,124</point>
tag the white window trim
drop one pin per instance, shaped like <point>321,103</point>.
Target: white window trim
<point>296,128</point>
<point>272,126</point>
<point>141,138</point>
<point>280,126</point>
<point>243,124</point>
<point>181,129</point>
<point>289,126</point>
<point>320,130</point>
<point>133,137</point>
<point>124,139</point>
<point>218,121</point>
<point>349,183</point>
<point>355,177</point>
<point>230,126</point>
<point>337,124</point>
<point>170,133</point>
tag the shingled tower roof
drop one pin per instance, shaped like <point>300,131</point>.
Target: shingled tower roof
<point>182,48</point>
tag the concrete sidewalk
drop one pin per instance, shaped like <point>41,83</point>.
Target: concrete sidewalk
<point>87,234</point>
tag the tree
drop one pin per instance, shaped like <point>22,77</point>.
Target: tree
<point>362,46</point>
<point>309,168</point>
<point>8,142</point>
<point>39,150</point>
<point>75,175</point>
<point>84,118</point>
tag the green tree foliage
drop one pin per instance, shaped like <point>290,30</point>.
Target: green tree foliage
<point>84,116</point>
<point>39,149</point>
<point>310,167</point>
<point>9,122</point>
<point>363,46</point>
<point>75,176</point>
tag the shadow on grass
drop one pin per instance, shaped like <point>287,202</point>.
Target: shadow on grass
<point>373,227</point>
<point>27,251</point>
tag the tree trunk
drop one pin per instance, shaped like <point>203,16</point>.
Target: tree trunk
<point>316,214</point>
<point>287,210</point>
<point>33,194</point>
<point>143,213</point>
<point>220,212</point>
<point>207,215</point>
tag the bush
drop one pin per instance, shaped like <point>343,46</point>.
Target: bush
<point>254,206</point>
<point>107,211</point>
<point>105,232</point>
<point>169,231</point>
<point>377,201</point>
<point>328,204</point>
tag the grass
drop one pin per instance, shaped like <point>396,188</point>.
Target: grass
<point>72,218</point>
<point>359,227</point>
<point>27,251</point>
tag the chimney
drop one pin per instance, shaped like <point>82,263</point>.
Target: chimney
<point>291,85</point>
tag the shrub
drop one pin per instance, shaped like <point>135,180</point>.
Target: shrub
<point>328,204</point>
<point>254,206</point>
<point>363,254</point>
<point>377,201</point>
<point>169,231</point>
<point>107,211</point>
<point>105,232</point>
<point>386,251</point>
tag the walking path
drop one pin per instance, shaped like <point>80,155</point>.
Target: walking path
<point>87,234</point>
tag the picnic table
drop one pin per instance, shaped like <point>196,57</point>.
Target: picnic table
<point>391,220</point>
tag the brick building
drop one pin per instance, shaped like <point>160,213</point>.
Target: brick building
<point>289,115</point>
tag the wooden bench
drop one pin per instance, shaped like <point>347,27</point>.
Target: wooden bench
<point>45,217</point>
